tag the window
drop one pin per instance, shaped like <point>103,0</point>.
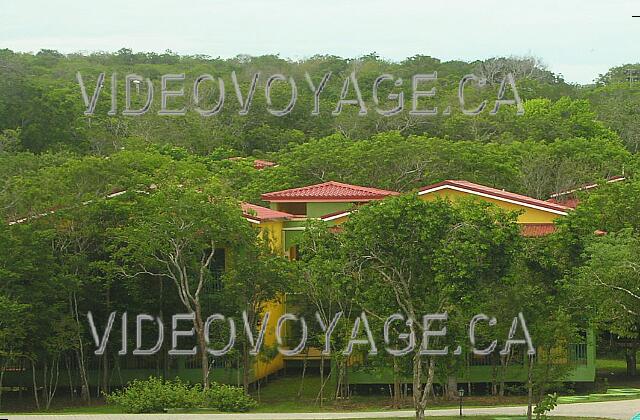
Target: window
<point>299,209</point>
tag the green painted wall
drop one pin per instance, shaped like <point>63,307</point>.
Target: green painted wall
<point>475,374</point>
<point>314,209</point>
<point>582,364</point>
<point>291,238</point>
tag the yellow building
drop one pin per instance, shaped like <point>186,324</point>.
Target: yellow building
<point>271,223</point>
<point>536,217</point>
<point>333,203</point>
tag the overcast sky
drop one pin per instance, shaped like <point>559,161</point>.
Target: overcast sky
<point>577,38</point>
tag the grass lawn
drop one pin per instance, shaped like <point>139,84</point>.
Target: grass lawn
<point>285,394</point>
<point>491,418</point>
<point>93,409</point>
<point>611,365</point>
<point>282,395</point>
<point>615,372</point>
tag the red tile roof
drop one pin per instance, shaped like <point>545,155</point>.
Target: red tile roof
<point>257,163</point>
<point>586,187</point>
<point>538,229</point>
<point>568,202</point>
<point>328,191</point>
<point>569,197</point>
<point>261,164</point>
<point>259,213</point>
<point>497,194</point>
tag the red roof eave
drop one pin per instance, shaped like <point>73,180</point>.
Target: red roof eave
<point>586,187</point>
<point>335,215</point>
<point>495,193</point>
<point>537,229</point>
<point>259,213</point>
<point>321,199</point>
<point>331,191</point>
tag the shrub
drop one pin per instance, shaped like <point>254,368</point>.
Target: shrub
<point>228,398</point>
<point>155,395</point>
<point>515,389</point>
<point>547,404</point>
<point>561,388</point>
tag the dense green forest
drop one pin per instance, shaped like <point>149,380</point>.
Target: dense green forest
<point>568,135</point>
<point>81,257</point>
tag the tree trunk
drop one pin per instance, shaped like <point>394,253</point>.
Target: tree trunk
<point>258,385</point>
<point>105,373</point>
<point>238,370</point>
<point>417,386</point>
<point>321,379</point>
<point>35,384</point>
<point>50,381</point>
<point>324,381</point>
<point>452,387</point>
<point>468,376</point>
<point>304,371</point>
<point>530,388</point>
<point>98,375</point>
<point>202,344</point>
<point>105,359</point>
<point>245,367</point>
<point>347,386</point>
<point>631,361</point>
<point>85,392</point>
<point>420,392</point>
<point>396,383</point>
<point>4,367</point>
<point>44,386</point>
<point>340,381</point>
<point>494,375</point>
<point>72,389</point>
<point>165,353</point>
<point>504,365</point>
<point>542,384</point>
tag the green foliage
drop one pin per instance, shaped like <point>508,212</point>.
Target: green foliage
<point>12,327</point>
<point>415,257</point>
<point>183,189</point>
<point>155,395</point>
<point>228,398</point>
<point>10,141</point>
<point>41,97</point>
<point>548,403</point>
<point>446,250</point>
<point>609,208</point>
<point>609,280</point>
<point>617,105</point>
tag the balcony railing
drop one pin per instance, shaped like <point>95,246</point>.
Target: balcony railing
<point>575,354</point>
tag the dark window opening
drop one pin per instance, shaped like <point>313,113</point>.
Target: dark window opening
<point>298,209</point>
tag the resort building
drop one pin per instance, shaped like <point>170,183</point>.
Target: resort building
<point>333,202</point>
